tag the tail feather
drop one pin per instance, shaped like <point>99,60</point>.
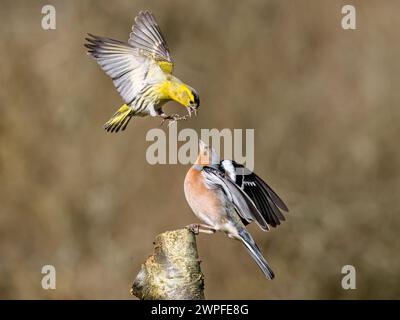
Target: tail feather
<point>255,253</point>
<point>119,120</point>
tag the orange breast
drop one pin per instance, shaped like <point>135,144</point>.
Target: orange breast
<point>205,203</point>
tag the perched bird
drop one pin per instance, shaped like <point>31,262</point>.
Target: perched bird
<point>226,197</point>
<point>142,73</point>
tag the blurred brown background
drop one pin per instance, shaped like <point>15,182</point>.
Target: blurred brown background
<point>324,103</point>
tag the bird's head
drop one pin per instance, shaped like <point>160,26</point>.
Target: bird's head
<point>185,95</point>
<point>207,155</point>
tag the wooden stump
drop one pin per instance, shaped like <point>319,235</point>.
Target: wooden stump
<point>172,272</point>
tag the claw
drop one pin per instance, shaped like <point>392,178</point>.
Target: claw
<point>195,228</point>
<point>172,118</point>
<point>177,117</point>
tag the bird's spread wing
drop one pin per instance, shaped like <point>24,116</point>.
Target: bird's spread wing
<point>146,36</point>
<point>244,205</point>
<point>121,62</point>
<point>265,199</point>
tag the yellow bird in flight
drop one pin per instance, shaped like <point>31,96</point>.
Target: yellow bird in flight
<point>142,73</point>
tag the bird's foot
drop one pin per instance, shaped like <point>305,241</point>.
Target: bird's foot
<point>196,228</point>
<point>177,117</point>
<point>173,118</point>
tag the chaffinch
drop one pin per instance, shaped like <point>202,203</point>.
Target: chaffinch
<point>226,197</point>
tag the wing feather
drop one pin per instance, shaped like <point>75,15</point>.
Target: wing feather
<point>264,198</point>
<point>243,204</point>
<point>146,36</point>
<point>121,62</point>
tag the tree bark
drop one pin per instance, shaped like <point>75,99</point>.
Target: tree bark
<point>172,272</point>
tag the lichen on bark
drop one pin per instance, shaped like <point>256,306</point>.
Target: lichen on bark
<point>173,271</point>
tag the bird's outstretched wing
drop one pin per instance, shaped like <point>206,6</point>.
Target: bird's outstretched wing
<point>244,205</point>
<point>146,36</point>
<point>121,62</point>
<point>265,199</point>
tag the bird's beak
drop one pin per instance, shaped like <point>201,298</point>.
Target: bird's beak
<point>193,108</point>
<point>193,105</point>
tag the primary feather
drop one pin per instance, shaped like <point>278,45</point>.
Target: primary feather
<point>243,204</point>
<point>265,199</point>
<point>123,63</point>
<point>146,35</point>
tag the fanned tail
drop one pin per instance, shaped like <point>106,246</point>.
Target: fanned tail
<point>119,120</point>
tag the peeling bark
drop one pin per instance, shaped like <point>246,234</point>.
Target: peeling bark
<point>172,272</point>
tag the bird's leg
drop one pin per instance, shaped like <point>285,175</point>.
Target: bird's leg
<point>176,118</point>
<point>196,228</point>
<point>172,118</point>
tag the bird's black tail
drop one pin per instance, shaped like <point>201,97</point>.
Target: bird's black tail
<point>255,253</point>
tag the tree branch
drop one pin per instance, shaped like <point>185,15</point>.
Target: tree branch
<point>172,272</point>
